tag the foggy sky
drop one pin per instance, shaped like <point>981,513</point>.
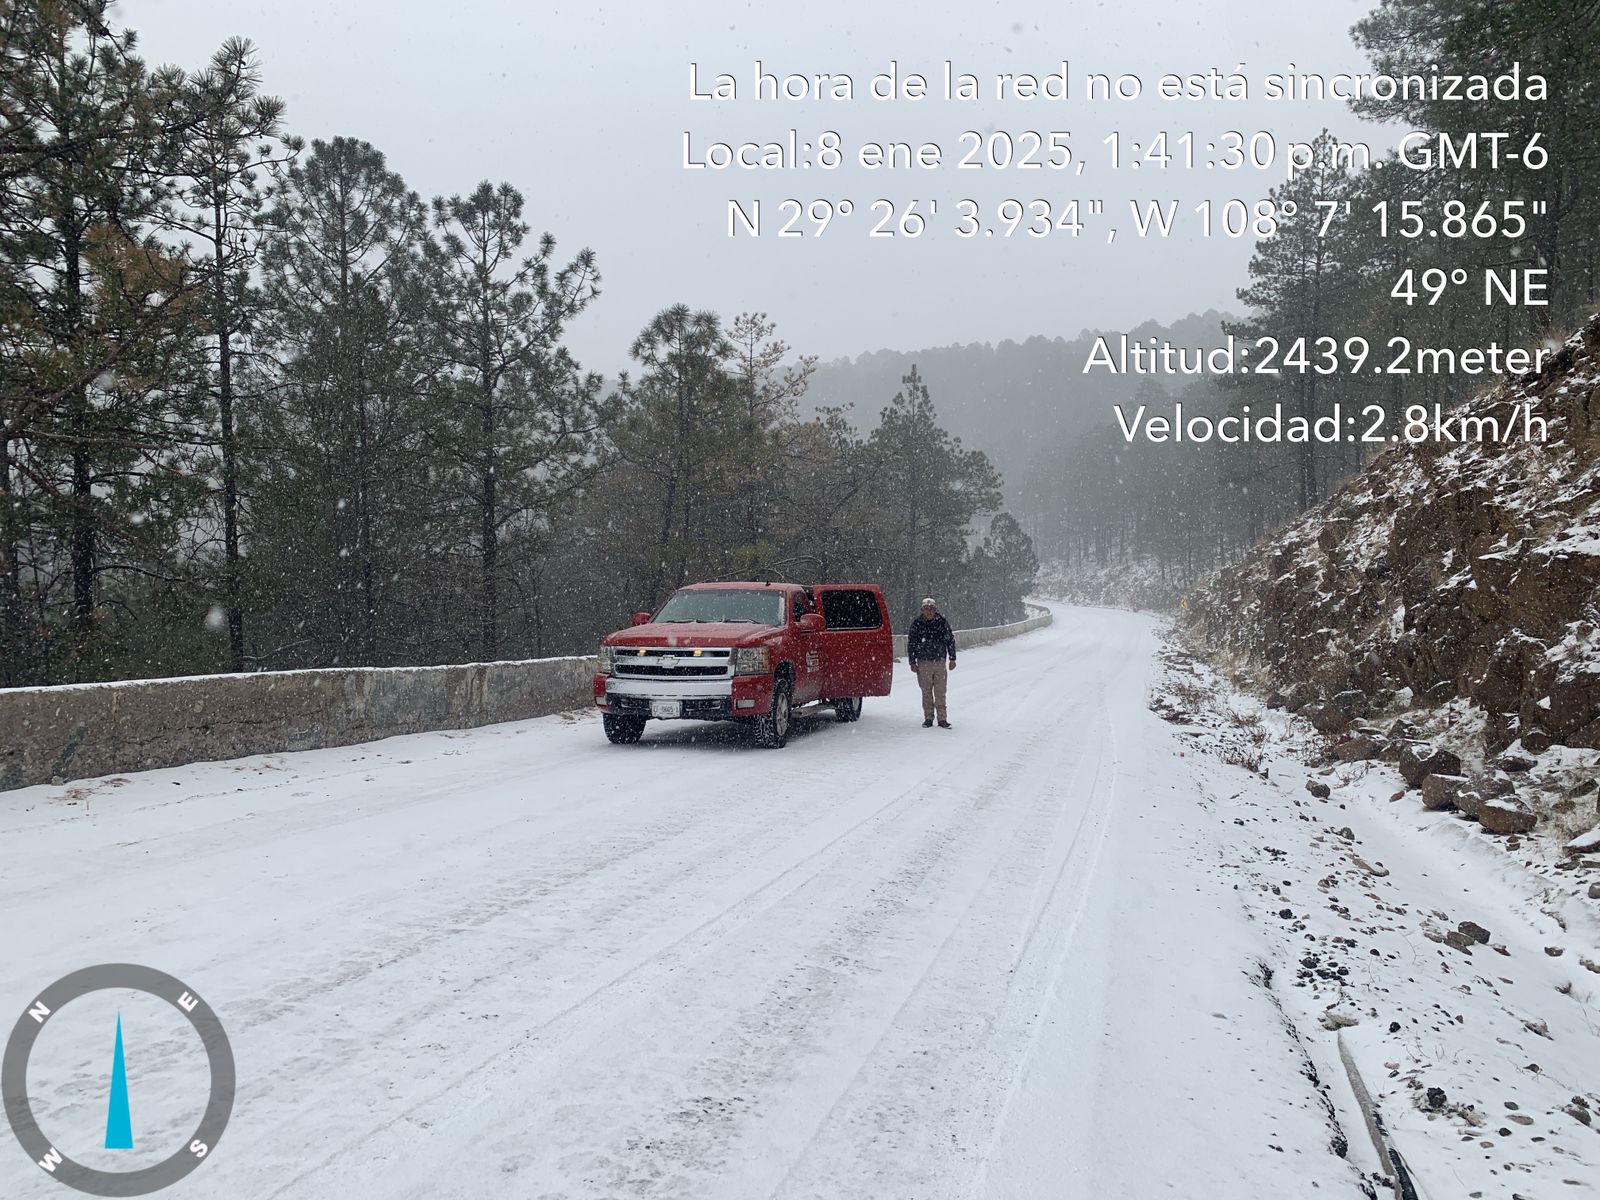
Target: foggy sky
<point>583,108</point>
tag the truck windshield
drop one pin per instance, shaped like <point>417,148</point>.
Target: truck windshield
<point>752,606</point>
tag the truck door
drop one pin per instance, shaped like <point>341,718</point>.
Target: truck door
<point>810,654</point>
<point>859,650</point>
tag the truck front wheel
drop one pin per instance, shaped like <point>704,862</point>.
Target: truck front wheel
<point>620,730</point>
<point>772,729</point>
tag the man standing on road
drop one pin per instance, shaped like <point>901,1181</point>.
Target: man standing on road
<point>929,643</point>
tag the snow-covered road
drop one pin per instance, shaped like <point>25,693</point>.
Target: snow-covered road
<point>517,961</point>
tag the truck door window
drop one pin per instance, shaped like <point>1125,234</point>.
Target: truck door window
<point>851,608</point>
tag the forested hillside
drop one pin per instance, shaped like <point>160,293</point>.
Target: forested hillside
<point>1023,402</point>
<point>264,406</point>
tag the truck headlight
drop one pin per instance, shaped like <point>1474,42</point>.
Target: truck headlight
<point>607,659</point>
<point>751,660</point>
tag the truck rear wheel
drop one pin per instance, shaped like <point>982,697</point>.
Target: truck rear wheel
<point>772,729</point>
<point>848,709</point>
<point>620,730</point>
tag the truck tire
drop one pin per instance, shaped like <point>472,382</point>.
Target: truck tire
<point>621,730</point>
<point>772,728</point>
<point>848,708</point>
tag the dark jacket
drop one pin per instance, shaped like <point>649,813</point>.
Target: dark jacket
<point>927,640</point>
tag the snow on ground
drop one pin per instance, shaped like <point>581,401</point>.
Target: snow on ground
<point>1034,956</point>
<point>1480,1046</point>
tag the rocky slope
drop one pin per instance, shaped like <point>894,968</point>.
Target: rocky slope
<point>1457,586</point>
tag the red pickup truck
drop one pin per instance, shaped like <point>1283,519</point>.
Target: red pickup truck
<point>753,652</point>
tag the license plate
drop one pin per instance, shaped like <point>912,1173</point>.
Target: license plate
<point>666,708</point>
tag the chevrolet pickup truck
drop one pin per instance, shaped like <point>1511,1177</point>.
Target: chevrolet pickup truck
<point>753,652</point>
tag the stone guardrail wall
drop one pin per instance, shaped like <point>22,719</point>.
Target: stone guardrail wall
<point>82,730</point>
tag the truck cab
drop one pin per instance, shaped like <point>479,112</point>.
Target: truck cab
<point>753,652</point>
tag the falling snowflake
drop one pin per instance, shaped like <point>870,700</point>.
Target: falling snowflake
<point>217,619</point>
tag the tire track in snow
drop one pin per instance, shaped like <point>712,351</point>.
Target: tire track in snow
<point>934,1143</point>
<point>692,1142</point>
<point>754,1059</point>
<point>595,1009</point>
<point>1051,964</point>
<point>589,1017</point>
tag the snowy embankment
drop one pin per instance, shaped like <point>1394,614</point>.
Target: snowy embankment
<point>1459,575</point>
<point>1462,973</point>
<point>1030,956</point>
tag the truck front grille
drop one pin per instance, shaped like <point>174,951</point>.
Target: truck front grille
<point>672,662</point>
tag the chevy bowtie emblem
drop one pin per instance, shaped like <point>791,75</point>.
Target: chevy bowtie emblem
<point>669,661</point>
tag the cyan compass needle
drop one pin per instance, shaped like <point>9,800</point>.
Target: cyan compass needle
<point>119,1121</point>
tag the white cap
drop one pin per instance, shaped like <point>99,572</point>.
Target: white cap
<point>927,602</point>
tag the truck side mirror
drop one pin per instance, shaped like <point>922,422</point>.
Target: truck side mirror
<point>641,618</point>
<point>809,623</point>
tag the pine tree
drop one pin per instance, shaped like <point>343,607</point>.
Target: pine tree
<point>338,428</point>
<point>927,489</point>
<point>1005,567</point>
<point>94,310</point>
<point>1557,39</point>
<point>755,468</point>
<point>829,531</point>
<point>525,415</point>
<point>1292,274</point>
<point>235,136</point>
<point>680,417</point>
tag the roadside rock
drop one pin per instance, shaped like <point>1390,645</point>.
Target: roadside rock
<point>1297,695</point>
<point>1324,717</point>
<point>1585,843</point>
<point>1499,731</point>
<point>1469,802</point>
<point>1358,747</point>
<point>1506,814</point>
<point>1459,940</point>
<point>1514,762</point>
<point>1440,792</point>
<point>1351,703</point>
<point>1419,760</point>
<point>1318,789</point>
<point>1475,931</point>
<point>1536,741</point>
<point>1480,788</point>
<point>1379,871</point>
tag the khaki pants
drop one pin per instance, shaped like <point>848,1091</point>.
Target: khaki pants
<point>933,676</point>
